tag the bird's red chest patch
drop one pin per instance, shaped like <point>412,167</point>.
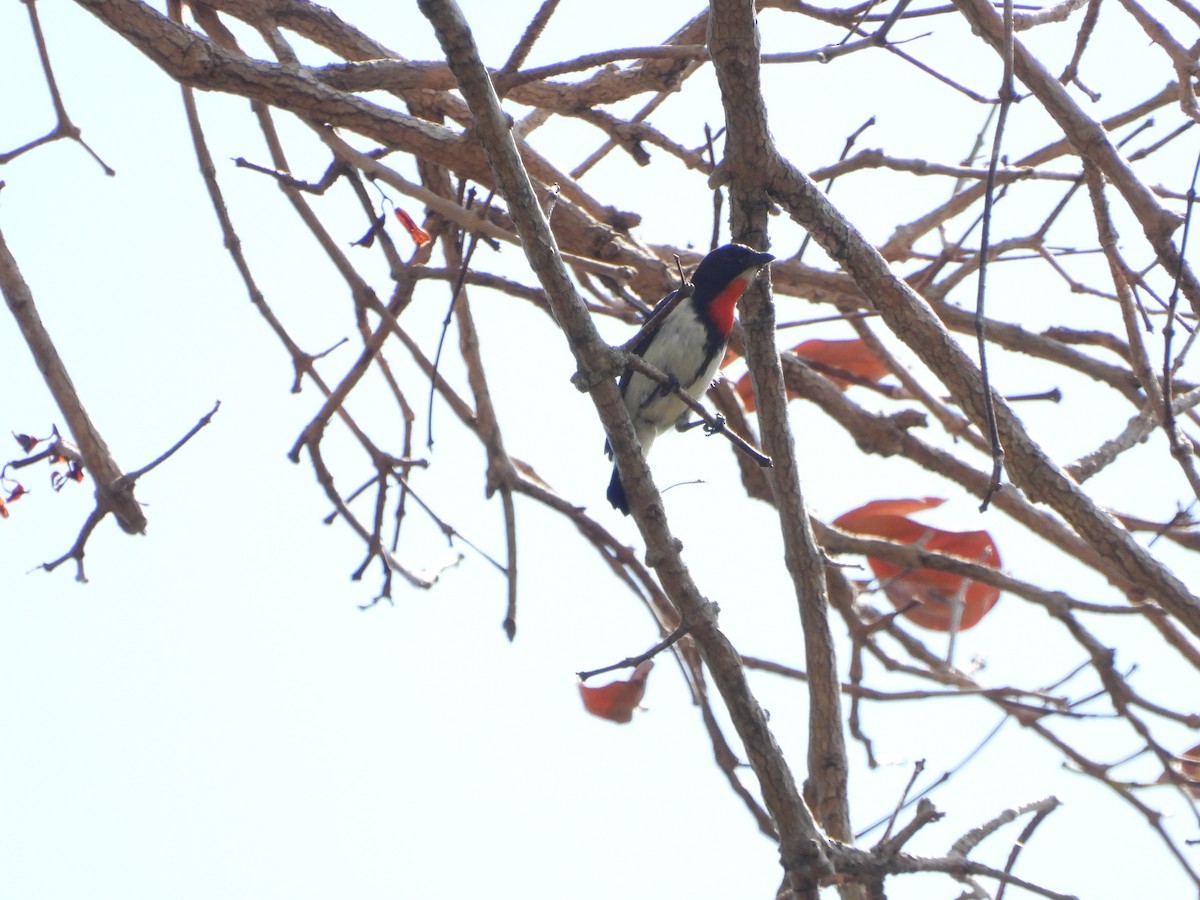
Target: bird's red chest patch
<point>722,308</point>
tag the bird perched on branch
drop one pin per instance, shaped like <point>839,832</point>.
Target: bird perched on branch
<point>685,339</point>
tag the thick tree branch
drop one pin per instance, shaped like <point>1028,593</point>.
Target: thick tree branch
<point>114,493</point>
<point>733,43</point>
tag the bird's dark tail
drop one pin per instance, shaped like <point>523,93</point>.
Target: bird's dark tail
<point>616,493</point>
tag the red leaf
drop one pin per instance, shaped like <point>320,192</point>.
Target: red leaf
<point>26,441</point>
<point>850,357</point>
<point>887,508</point>
<point>415,231</point>
<point>1188,762</point>
<point>617,700</point>
<point>744,388</point>
<point>934,591</point>
<point>74,472</point>
<point>830,357</point>
<point>16,493</point>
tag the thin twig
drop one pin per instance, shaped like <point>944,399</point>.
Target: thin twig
<point>632,661</point>
<point>1007,95</point>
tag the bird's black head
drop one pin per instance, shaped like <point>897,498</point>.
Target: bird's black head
<point>722,266</point>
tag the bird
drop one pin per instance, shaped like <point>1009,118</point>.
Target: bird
<point>684,338</point>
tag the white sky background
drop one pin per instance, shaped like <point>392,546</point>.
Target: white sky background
<point>211,715</point>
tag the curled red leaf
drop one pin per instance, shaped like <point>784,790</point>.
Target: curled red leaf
<point>617,700</point>
<point>419,235</point>
<point>74,472</point>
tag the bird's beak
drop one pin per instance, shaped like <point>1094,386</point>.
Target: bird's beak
<point>759,262</point>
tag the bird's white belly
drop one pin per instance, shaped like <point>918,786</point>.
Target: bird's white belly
<point>677,351</point>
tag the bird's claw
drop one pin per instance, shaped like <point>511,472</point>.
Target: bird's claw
<point>710,430</point>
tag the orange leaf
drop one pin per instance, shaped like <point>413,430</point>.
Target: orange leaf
<point>934,591</point>
<point>3,510</point>
<point>419,235</point>
<point>850,357</point>
<point>617,700</point>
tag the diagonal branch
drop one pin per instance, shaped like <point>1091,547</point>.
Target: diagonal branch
<point>113,493</point>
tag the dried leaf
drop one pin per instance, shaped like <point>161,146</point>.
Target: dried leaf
<point>745,389</point>
<point>415,231</point>
<point>934,592</point>
<point>617,700</point>
<point>1189,764</point>
<point>851,357</point>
